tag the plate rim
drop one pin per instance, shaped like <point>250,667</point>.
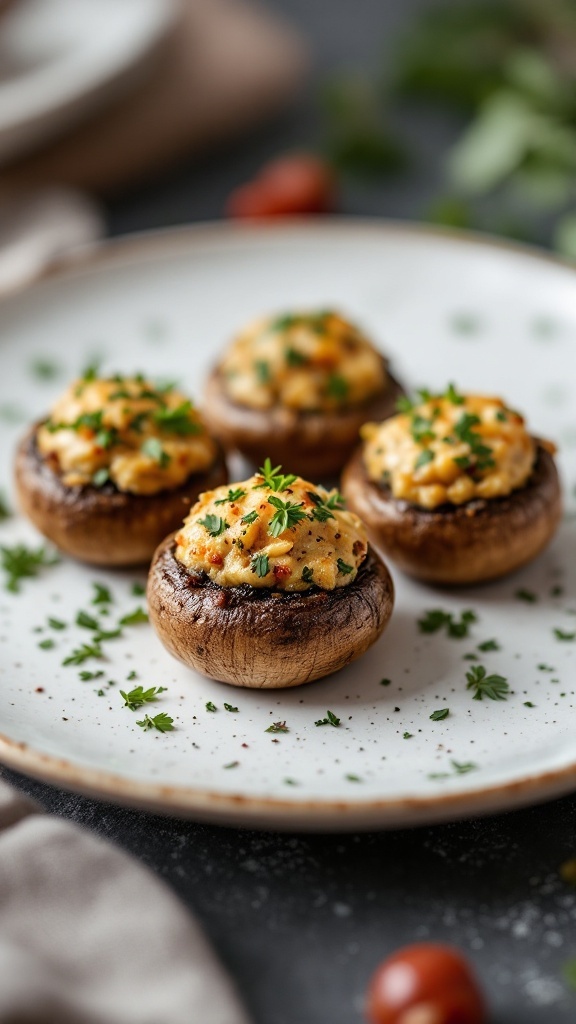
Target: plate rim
<point>238,809</point>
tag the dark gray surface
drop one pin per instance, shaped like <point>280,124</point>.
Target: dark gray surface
<point>302,921</point>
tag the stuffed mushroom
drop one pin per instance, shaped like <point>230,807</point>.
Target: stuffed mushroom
<point>269,583</point>
<point>298,387</point>
<point>115,467</point>
<point>454,489</point>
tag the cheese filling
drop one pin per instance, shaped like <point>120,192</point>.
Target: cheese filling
<point>302,361</point>
<point>142,438</point>
<point>273,530</point>
<point>450,449</point>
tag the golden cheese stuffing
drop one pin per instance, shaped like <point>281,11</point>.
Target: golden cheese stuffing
<point>450,449</point>
<point>142,438</point>
<point>302,361</point>
<point>273,530</point>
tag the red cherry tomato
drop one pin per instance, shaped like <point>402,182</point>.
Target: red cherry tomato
<point>288,186</point>
<point>425,984</point>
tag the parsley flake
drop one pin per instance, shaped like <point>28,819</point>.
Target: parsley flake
<point>102,594</point>
<point>215,525</point>
<point>152,447</point>
<point>229,707</point>
<point>134,618</point>
<point>439,716</point>
<point>210,706</point>
<point>562,634</point>
<point>47,644</point>
<point>344,568</point>
<point>277,727</point>
<point>273,478</point>
<point>287,515</point>
<point>83,653</point>
<point>161,722</point>
<point>56,624</point>
<point>307,574</point>
<point>87,621</point>
<point>494,686</point>
<point>330,719</point>
<point>233,495</point>
<point>337,387</point>
<point>20,562</point>
<point>177,421</point>
<point>137,697</point>
<point>526,595</point>
<point>250,517</point>
<point>260,565</point>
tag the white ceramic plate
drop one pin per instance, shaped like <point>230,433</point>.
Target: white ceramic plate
<point>487,316</point>
<point>59,58</point>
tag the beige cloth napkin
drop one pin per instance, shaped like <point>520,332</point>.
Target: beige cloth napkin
<point>88,936</point>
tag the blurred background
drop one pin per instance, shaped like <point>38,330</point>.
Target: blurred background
<point>149,113</point>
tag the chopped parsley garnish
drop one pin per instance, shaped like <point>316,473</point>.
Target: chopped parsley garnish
<point>83,653</point>
<point>421,429</point>
<point>330,719</point>
<point>134,618</point>
<point>337,387</point>
<point>87,621</point>
<point>451,395</point>
<point>231,764</point>
<point>463,767</point>
<point>152,447</point>
<point>233,495</point>
<point>350,777</point>
<point>86,676</point>
<point>210,706</point>
<point>4,510</point>
<point>56,623</point>
<point>493,686</point>
<point>102,594</point>
<point>137,697</point>
<point>489,645</point>
<point>44,369</point>
<point>277,727</point>
<point>47,644</point>
<point>344,568</point>
<point>101,477</point>
<point>262,369</point>
<point>215,525</point>
<point>229,707</point>
<point>307,574</point>
<point>436,619</point>
<point>20,562</point>
<point>161,722</point>
<point>287,515</point>
<point>132,675</point>
<point>107,634</point>
<point>177,421</point>
<point>138,589</point>
<point>106,437</point>
<point>464,431</point>
<point>561,634</point>
<point>526,595</point>
<point>439,716</point>
<point>424,458</point>
<point>250,517</point>
<point>324,507</point>
<point>260,565</point>
<point>273,478</point>
<point>529,704</point>
<point>404,404</point>
<point>294,358</point>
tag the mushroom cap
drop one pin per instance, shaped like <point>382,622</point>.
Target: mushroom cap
<point>261,638</point>
<point>458,544</point>
<point>102,525</point>
<point>312,444</point>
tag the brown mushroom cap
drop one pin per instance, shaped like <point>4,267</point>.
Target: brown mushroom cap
<point>312,444</point>
<point>102,525</point>
<point>457,544</point>
<point>256,637</point>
